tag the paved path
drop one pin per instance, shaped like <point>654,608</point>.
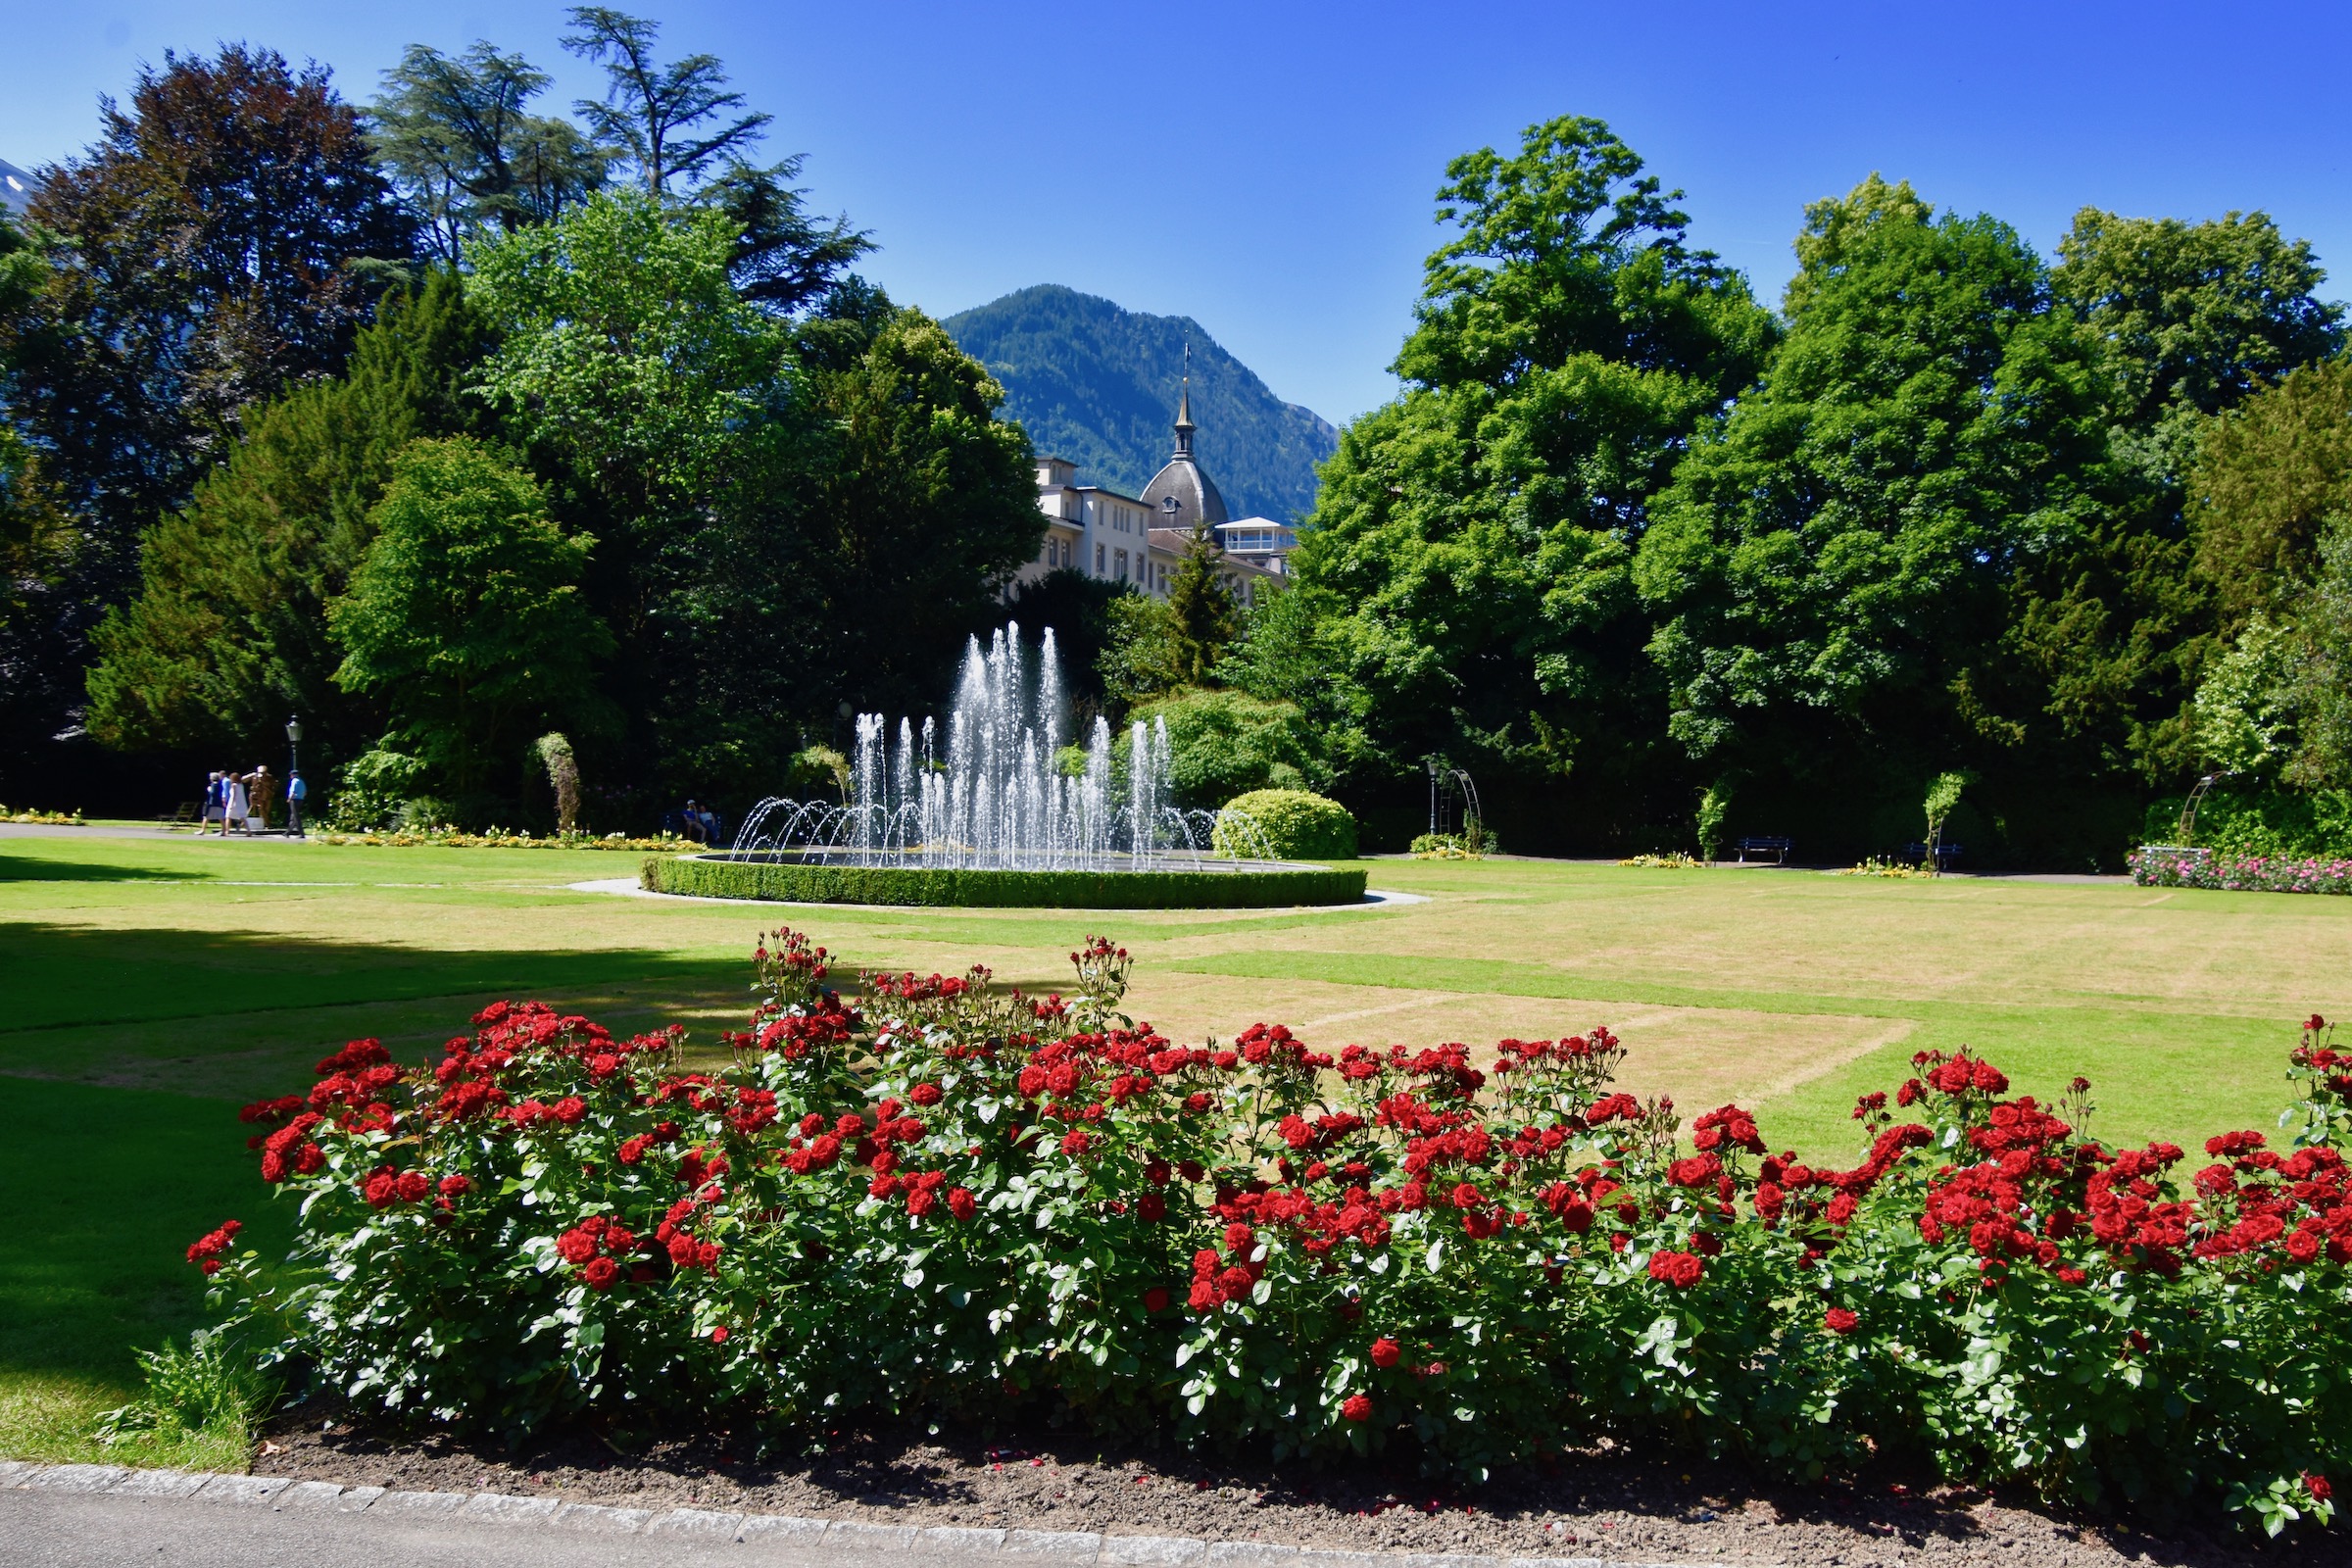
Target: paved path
<point>99,1516</point>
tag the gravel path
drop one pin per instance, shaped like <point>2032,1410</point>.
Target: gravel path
<point>1588,1505</point>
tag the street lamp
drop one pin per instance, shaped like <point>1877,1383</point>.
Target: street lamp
<point>294,789</point>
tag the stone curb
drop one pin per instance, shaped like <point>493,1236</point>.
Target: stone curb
<point>854,1541</point>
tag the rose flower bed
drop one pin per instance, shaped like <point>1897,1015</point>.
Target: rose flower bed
<point>942,1198</point>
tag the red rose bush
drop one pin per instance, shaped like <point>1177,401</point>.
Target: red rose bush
<point>942,1195</point>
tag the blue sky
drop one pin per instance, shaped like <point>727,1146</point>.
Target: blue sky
<point>1267,167</point>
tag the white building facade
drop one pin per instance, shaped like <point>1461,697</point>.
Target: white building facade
<point>1140,540</point>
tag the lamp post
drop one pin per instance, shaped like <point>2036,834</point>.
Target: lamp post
<point>293,778</point>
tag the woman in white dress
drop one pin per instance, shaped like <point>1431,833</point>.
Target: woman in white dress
<point>237,805</point>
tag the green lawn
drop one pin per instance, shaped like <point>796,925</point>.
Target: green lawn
<point>152,985</point>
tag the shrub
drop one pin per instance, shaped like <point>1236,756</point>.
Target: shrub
<point>946,1198</point>
<point>1475,845</point>
<point>2161,866</point>
<point>1222,744</point>
<point>1671,860</point>
<point>1287,825</point>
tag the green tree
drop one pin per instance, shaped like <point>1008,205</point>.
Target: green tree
<point>455,135</point>
<point>2190,318</point>
<point>36,535</point>
<point>897,508</point>
<point>221,237</point>
<point>467,620</point>
<point>2186,320</point>
<point>2268,475</point>
<point>227,632</point>
<point>224,238</point>
<point>673,123</point>
<point>623,346</point>
<point>1833,567</point>
<point>1201,607</point>
<point>1475,538</point>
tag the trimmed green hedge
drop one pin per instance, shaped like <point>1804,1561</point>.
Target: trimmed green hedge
<point>791,883</point>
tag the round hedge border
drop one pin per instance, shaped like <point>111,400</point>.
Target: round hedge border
<point>788,882</point>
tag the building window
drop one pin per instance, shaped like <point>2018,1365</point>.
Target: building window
<point>1098,561</point>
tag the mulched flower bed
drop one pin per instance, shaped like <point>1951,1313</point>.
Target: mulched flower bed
<point>1596,1504</point>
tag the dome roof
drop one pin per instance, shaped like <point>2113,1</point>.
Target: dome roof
<point>1180,481</point>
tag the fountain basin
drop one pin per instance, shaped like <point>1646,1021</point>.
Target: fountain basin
<point>789,877</point>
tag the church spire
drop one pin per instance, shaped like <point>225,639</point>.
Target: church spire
<point>1183,408</point>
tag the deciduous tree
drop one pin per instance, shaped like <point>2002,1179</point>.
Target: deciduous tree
<point>1475,538</point>
<point>466,617</point>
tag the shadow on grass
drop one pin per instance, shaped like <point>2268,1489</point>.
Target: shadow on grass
<point>41,868</point>
<point>109,1184</point>
<point>59,976</point>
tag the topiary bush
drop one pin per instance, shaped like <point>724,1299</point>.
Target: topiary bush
<point>1287,825</point>
<point>934,1195</point>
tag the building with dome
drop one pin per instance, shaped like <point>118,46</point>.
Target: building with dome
<point>1140,539</point>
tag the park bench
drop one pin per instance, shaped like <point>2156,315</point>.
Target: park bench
<point>1945,854</point>
<point>186,815</point>
<point>1777,847</point>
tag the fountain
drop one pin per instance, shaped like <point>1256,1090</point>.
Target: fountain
<point>1004,808</point>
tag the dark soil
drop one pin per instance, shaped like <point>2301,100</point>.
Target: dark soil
<point>1587,1504</point>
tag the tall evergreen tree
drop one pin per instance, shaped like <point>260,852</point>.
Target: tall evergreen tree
<point>456,135</point>
<point>1201,607</point>
<point>228,633</point>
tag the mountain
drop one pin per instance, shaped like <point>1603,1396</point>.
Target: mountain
<point>16,187</point>
<point>1096,384</point>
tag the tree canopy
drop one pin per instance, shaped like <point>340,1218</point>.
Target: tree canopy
<point>1476,537</point>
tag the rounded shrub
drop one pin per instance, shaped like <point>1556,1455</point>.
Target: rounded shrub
<point>1286,826</point>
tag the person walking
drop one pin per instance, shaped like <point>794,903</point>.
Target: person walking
<point>216,803</point>
<point>261,794</point>
<point>297,792</point>
<point>237,806</point>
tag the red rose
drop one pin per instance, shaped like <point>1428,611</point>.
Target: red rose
<point>924,1093</point>
<point>920,1200</point>
<point>719,1335</point>
<point>1840,1321</point>
<point>1385,1352</point>
<point>2302,1247</point>
<point>1238,1238</point>
<point>960,1203</point>
<point>1356,1408</point>
<point>1152,1207</point>
<point>1155,1300</point>
<point>601,1273</point>
<point>455,1186</point>
<point>382,1189</point>
<point>1678,1269</point>
<point>575,1245</point>
<point>570,1108</point>
<point>1074,1143</point>
<point>412,1186</point>
<point>2318,1485</point>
